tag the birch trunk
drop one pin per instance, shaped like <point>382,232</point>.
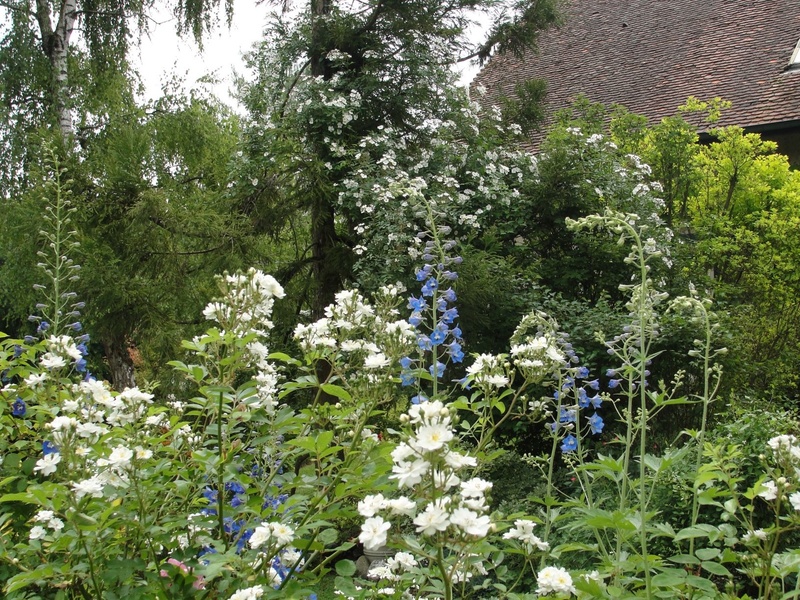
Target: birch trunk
<point>55,44</point>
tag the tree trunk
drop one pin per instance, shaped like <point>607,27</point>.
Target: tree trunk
<point>120,363</point>
<point>55,45</point>
<point>323,226</point>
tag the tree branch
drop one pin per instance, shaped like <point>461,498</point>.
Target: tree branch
<point>17,8</point>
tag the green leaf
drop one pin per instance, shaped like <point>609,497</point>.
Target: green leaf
<point>345,568</point>
<point>25,497</point>
<point>283,357</point>
<point>715,568</point>
<point>701,583</point>
<point>685,559</point>
<point>8,480</point>
<point>653,462</point>
<point>337,391</point>
<point>671,578</point>
<point>700,531</point>
<point>323,441</point>
<point>328,536</point>
<point>707,553</point>
<point>346,586</point>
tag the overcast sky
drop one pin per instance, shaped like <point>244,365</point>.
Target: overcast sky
<point>164,53</point>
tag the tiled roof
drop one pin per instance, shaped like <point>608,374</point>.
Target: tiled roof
<point>651,55</point>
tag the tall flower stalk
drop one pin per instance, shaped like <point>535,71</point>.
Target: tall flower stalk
<point>58,312</point>
<point>712,377</point>
<point>633,349</point>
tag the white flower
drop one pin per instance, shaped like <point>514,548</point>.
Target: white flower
<point>35,380</point>
<point>119,457</point>
<point>782,442</point>
<point>373,533</point>
<point>470,522</point>
<point>402,453</point>
<point>282,533</point>
<point>794,500</point>
<point>523,531</point>
<point>444,480</point>
<point>555,354</point>
<point>380,572</point>
<point>455,460</point>
<point>88,487</point>
<point>402,506</point>
<point>497,381</point>
<point>37,532</point>
<point>251,593</point>
<point>433,519</point>
<point>261,536</point>
<point>758,534</point>
<point>409,474</point>
<point>370,505</point>
<point>291,557</point>
<point>136,396</point>
<point>376,361</point>
<point>769,490</point>
<point>142,454</point>
<point>43,515</point>
<point>475,487</point>
<point>214,311</point>
<point>402,560</point>
<point>47,465</point>
<point>63,423</point>
<point>56,524</point>
<point>52,361</point>
<point>432,437</point>
<point>88,430</point>
<point>554,579</point>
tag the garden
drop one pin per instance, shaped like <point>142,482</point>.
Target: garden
<point>363,344</point>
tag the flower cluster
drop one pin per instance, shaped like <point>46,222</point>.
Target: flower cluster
<point>49,520</point>
<point>538,350</point>
<point>394,567</point>
<point>247,303</point>
<point>578,388</point>
<point>251,593</point>
<point>63,350</point>
<point>554,580</point>
<point>785,451</point>
<point>245,310</point>
<point>367,339</point>
<point>523,532</point>
<point>443,508</point>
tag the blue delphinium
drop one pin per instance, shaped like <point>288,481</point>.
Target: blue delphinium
<point>577,383</point>
<point>439,338</point>
<point>570,443</point>
<point>19,408</point>
<point>596,423</point>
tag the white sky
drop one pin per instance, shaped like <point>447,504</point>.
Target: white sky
<point>163,53</point>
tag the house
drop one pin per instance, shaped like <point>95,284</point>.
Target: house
<point>651,55</point>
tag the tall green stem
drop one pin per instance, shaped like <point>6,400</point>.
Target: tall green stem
<point>643,350</point>
<point>220,473</point>
<point>703,422</point>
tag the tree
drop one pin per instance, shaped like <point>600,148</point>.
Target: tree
<point>734,203</point>
<point>337,73</point>
<point>83,94</point>
<point>47,80</point>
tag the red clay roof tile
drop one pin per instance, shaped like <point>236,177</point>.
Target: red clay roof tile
<point>650,55</point>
